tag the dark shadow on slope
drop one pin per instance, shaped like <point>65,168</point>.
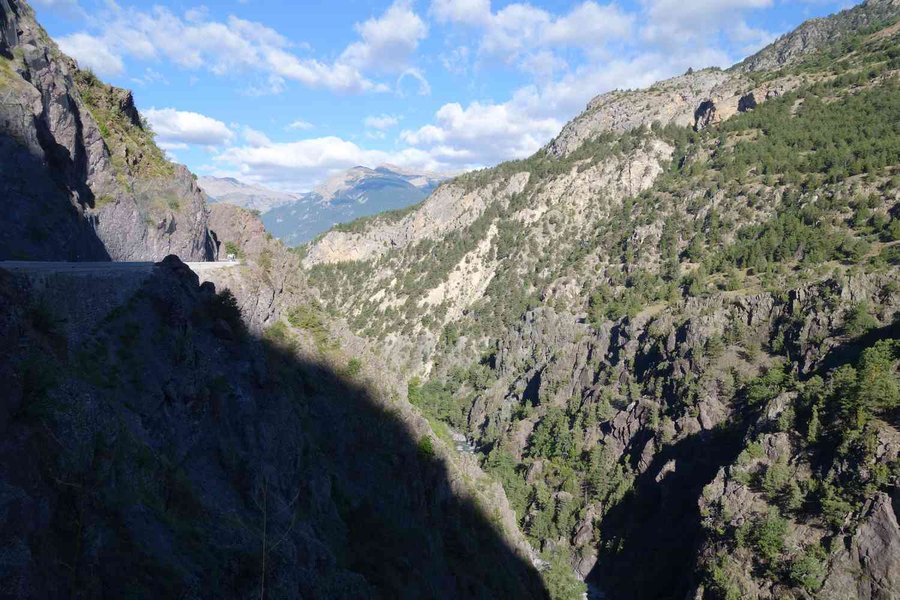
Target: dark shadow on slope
<point>651,538</point>
<point>849,352</point>
<point>44,197</point>
<point>175,456</point>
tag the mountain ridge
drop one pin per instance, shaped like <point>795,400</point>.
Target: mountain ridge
<point>346,197</point>
<point>643,328</point>
<point>667,346</point>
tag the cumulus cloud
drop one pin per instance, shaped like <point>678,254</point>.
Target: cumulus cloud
<point>587,24</point>
<point>530,36</point>
<point>184,127</point>
<point>255,138</point>
<point>388,41</point>
<point>677,22</point>
<point>232,46</point>
<point>481,133</point>
<point>471,12</point>
<point>93,53</point>
<point>302,164</point>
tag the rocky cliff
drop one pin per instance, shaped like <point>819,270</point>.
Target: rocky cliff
<point>671,334</point>
<point>81,175</point>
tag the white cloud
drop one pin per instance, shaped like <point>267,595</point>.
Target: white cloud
<point>532,37</point>
<point>184,127</point>
<point>456,60</point>
<point>471,12</point>
<point>543,63</point>
<point>149,77</point>
<point>302,164</point>
<point>515,27</point>
<point>255,138</point>
<point>480,134</point>
<point>388,41</point>
<point>236,47</point>
<point>93,53</point>
<point>300,124</point>
<point>381,122</point>
<point>422,87</point>
<point>751,38</point>
<point>589,24</point>
<point>677,22</point>
<point>168,146</point>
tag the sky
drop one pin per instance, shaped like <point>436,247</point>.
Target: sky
<point>283,93</point>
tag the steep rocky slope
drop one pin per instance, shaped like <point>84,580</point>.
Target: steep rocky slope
<point>171,453</point>
<point>81,175</point>
<point>162,439</point>
<point>671,333</point>
<point>274,298</point>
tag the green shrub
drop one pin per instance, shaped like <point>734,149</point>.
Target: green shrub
<point>766,388</point>
<point>425,447</point>
<point>560,581</point>
<point>720,579</point>
<point>765,536</point>
<point>279,334</point>
<point>309,318</point>
<point>859,320</point>
<point>808,570</point>
<point>233,248</point>
<point>354,366</point>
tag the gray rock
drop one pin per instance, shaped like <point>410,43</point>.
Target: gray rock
<point>869,567</point>
<point>76,188</point>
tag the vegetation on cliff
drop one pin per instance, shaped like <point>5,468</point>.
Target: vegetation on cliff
<point>673,384</point>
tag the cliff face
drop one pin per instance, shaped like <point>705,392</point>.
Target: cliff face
<point>81,175</point>
<point>663,332</point>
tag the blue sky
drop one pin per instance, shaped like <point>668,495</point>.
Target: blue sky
<point>283,93</point>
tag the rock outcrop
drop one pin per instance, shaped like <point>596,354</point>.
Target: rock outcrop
<point>706,115</point>
<point>81,175</point>
<point>819,33</point>
<point>450,208</point>
<point>672,101</point>
<point>874,550</point>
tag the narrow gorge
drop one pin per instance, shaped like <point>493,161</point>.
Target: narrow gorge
<point>657,359</point>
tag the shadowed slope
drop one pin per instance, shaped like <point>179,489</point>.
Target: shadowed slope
<point>173,455</point>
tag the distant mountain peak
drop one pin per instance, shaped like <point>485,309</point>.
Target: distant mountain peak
<point>349,195</point>
<point>245,195</point>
